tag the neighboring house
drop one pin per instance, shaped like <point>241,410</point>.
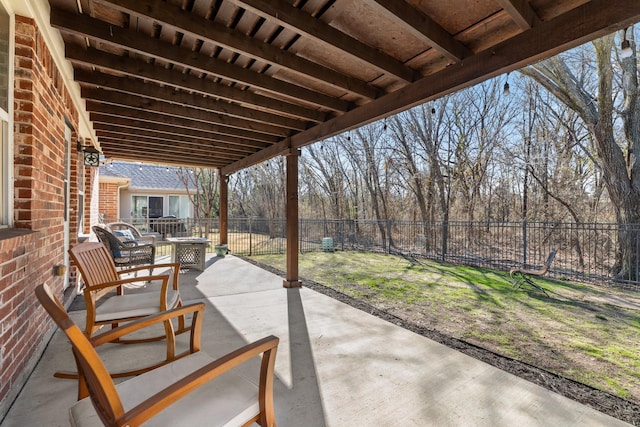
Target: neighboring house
<point>134,192</point>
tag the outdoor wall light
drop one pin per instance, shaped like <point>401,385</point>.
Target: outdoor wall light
<point>90,154</point>
<point>625,46</point>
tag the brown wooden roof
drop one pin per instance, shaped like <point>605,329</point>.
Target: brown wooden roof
<point>230,83</point>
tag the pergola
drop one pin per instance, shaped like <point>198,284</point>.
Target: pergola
<point>228,84</point>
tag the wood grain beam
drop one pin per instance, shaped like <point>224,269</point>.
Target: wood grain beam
<point>596,19</point>
<point>85,26</point>
<point>92,57</point>
<point>425,28</point>
<point>191,138</point>
<point>167,94</point>
<point>160,147</point>
<point>288,16</point>
<point>116,114</point>
<point>521,12</point>
<point>218,34</point>
<point>168,131</point>
<point>131,155</point>
<point>157,107</point>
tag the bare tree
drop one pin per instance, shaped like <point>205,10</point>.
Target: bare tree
<point>203,188</point>
<point>614,100</point>
<point>326,179</point>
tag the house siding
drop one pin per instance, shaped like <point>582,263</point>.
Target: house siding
<point>29,251</point>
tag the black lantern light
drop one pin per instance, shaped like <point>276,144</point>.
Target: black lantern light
<point>90,155</point>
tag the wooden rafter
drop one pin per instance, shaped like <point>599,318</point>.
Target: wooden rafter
<point>85,26</point>
<point>162,146</point>
<point>298,21</point>
<point>166,94</point>
<point>180,125</point>
<point>206,140</point>
<point>231,143</point>
<point>157,107</point>
<point>216,33</point>
<point>424,27</point>
<point>91,57</point>
<point>521,12</point>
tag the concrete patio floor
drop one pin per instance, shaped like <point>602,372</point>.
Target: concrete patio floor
<point>336,365</point>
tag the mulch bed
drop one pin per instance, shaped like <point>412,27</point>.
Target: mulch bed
<point>604,402</point>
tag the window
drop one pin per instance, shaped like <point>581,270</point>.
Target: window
<point>6,111</point>
<point>145,207</point>
<point>179,206</point>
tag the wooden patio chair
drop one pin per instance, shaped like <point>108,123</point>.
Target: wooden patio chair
<point>194,390</point>
<point>108,304</point>
<point>101,279</point>
<point>125,253</point>
<point>523,276</point>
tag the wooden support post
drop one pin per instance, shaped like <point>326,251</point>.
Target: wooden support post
<point>292,280</point>
<point>224,207</point>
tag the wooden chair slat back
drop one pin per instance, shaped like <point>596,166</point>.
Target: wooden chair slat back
<point>95,264</point>
<point>96,376</point>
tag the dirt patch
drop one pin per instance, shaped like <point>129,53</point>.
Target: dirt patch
<point>602,401</point>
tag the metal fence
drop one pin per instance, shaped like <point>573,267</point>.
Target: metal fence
<point>585,251</point>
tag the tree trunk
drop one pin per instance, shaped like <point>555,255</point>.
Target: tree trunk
<point>620,166</point>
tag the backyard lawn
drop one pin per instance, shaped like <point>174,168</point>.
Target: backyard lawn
<point>588,333</point>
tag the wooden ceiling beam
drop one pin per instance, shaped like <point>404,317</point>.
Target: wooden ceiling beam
<point>139,88</point>
<point>116,114</point>
<point>425,28</point>
<point>161,147</point>
<point>189,138</point>
<point>85,26</point>
<point>132,155</point>
<point>521,12</point>
<point>92,57</point>
<point>542,41</point>
<point>218,34</point>
<point>167,131</point>
<point>283,13</point>
<point>158,107</point>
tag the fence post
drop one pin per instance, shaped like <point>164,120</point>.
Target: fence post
<point>250,235</point>
<point>353,233</point>
<point>388,236</point>
<point>524,242</point>
<point>445,232</point>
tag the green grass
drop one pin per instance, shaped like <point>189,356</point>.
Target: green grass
<point>574,332</point>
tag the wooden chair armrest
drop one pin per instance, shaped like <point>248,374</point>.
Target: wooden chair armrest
<point>119,283</point>
<point>174,265</point>
<point>268,345</point>
<point>196,325</point>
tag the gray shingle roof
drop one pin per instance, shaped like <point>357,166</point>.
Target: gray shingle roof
<point>145,177</point>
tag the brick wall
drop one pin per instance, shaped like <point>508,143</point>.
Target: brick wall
<point>109,204</point>
<point>29,252</point>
